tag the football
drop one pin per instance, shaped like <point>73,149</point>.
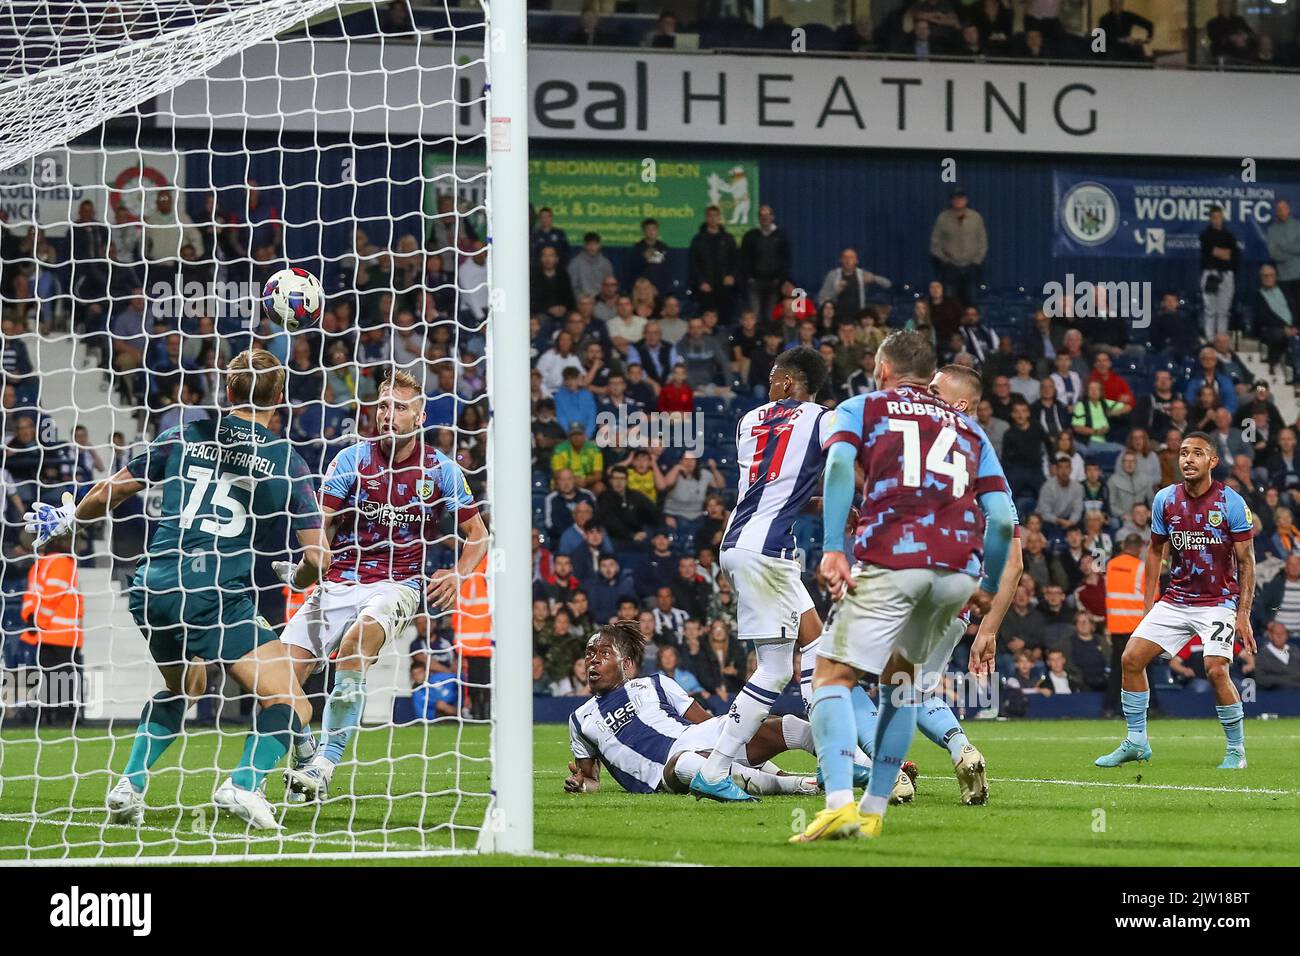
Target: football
<point>293,298</point>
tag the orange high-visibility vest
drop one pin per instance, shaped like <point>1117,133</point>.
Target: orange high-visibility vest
<point>472,620</point>
<point>1125,576</point>
<point>52,602</point>
<point>294,600</point>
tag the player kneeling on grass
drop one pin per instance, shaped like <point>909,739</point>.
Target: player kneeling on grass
<point>224,484</point>
<point>1208,529</point>
<point>652,736</point>
<point>383,500</point>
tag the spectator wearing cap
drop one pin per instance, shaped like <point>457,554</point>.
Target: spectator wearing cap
<point>589,268</point>
<point>1060,499</point>
<point>580,456</point>
<point>576,405</point>
<point>959,245</point>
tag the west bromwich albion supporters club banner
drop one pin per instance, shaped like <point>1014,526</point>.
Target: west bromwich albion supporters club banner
<point>1143,218</point>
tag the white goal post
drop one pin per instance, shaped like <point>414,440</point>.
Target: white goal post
<point>385,142</point>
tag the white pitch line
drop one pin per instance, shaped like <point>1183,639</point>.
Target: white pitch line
<point>1129,786</point>
<point>379,851</point>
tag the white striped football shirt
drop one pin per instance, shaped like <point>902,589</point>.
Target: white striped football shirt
<point>779,450</point>
<point>632,730</point>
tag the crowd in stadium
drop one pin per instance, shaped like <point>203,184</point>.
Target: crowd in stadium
<point>1086,416</point>
<point>1027,30</point>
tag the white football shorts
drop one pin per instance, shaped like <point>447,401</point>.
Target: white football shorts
<point>1172,626</point>
<point>910,611</point>
<point>329,611</point>
<point>770,595</point>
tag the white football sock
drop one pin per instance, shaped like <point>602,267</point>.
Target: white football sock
<point>753,780</point>
<point>688,764</point>
<point>751,706</point>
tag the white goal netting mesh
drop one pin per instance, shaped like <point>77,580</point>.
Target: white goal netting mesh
<point>159,160</point>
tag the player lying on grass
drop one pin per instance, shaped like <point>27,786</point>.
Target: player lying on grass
<point>382,501</point>
<point>224,483</point>
<point>651,736</point>
<point>1207,529</point>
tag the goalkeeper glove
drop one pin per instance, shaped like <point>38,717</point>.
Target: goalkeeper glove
<point>46,521</point>
<point>286,571</point>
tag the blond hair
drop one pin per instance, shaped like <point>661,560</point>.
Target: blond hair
<point>255,377</point>
<point>401,378</point>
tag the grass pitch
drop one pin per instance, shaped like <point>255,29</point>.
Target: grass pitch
<point>1048,804</point>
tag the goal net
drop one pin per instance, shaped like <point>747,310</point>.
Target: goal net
<point>159,160</point>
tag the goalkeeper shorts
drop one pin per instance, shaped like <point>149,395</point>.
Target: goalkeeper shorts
<point>209,623</point>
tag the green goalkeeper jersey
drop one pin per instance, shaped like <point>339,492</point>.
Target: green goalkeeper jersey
<point>226,486</point>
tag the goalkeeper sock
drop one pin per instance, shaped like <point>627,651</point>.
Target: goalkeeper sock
<point>1134,705</point>
<point>1233,718</point>
<point>273,731</point>
<point>832,724</point>
<point>895,729</point>
<point>342,715</point>
<point>864,712</point>
<point>935,719</point>
<point>160,723</point>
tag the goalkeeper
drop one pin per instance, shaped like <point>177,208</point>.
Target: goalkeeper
<point>383,499</point>
<point>224,483</point>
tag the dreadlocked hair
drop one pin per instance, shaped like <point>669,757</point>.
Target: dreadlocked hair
<point>626,637</point>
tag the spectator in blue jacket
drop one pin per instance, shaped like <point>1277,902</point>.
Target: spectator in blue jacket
<point>1209,374</point>
<point>434,695</point>
<point>606,588</point>
<point>684,678</point>
<point>573,403</point>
